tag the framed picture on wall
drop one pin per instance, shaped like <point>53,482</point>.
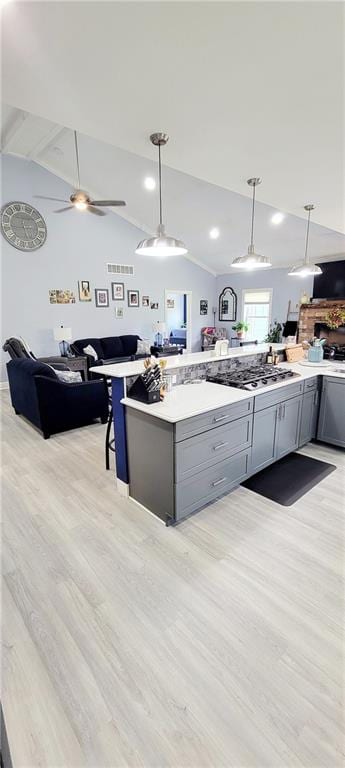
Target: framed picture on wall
<point>61,296</point>
<point>154,305</point>
<point>133,298</point>
<point>102,297</point>
<point>84,290</point>
<point>203,306</point>
<point>146,301</point>
<point>118,313</point>
<point>118,291</point>
<point>170,303</point>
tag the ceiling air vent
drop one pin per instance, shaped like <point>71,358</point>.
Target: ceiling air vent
<point>120,269</point>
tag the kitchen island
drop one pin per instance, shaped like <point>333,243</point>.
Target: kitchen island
<point>181,367</point>
<point>205,439</point>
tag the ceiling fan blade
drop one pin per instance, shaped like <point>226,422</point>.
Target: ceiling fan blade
<point>55,199</point>
<point>61,210</point>
<point>108,202</point>
<point>92,209</point>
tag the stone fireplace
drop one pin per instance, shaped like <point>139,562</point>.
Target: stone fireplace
<point>312,321</point>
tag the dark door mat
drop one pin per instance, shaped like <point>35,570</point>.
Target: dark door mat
<point>289,478</point>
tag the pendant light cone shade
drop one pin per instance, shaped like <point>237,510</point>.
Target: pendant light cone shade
<point>252,260</point>
<point>306,269</point>
<point>161,244</point>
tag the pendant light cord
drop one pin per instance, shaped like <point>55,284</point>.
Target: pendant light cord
<point>160,186</point>
<point>307,240</point>
<point>77,157</point>
<point>253,214</point>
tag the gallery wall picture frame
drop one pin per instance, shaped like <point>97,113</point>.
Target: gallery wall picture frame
<point>133,298</point>
<point>145,301</point>
<point>170,304</point>
<point>227,305</point>
<point>118,291</point>
<point>154,305</point>
<point>203,306</point>
<point>84,290</point>
<point>101,297</point>
<point>61,296</point>
<point>118,313</point>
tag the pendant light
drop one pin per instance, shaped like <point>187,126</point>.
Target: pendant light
<point>161,244</point>
<point>252,260</point>
<point>306,269</point>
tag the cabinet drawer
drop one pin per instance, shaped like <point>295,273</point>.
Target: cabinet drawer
<point>212,419</point>
<point>310,384</point>
<point>195,492</point>
<point>202,451</point>
<point>278,395</point>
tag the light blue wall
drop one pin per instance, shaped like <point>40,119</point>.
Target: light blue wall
<point>282,286</point>
<point>78,246</point>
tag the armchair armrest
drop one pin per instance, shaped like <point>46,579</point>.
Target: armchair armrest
<point>67,406</point>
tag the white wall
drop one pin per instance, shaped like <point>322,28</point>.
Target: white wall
<point>282,286</point>
<point>78,246</point>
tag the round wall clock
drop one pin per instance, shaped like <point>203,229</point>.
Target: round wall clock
<point>23,226</point>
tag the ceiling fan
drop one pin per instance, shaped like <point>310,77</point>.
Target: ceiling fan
<point>80,199</point>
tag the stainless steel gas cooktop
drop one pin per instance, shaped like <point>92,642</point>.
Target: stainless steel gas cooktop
<point>256,377</point>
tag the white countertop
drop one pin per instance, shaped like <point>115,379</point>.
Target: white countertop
<point>121,370</point>
<point>188,400</point>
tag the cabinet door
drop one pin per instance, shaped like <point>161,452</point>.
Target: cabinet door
<point>309,416</point>
<point>288,426</point>
<point>332,412</point>
<point>264,436</point>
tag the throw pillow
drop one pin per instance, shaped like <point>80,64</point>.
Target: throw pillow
<point>143,347</point>
<point>89,350</point>
<point>69,377</point>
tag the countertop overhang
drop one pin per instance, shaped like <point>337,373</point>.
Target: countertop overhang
<point>134,368</point>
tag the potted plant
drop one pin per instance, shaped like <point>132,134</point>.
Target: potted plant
<point>241,329</point>
<point>273,335</point>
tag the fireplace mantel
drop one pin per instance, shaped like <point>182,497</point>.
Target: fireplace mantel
<point>313,313</point>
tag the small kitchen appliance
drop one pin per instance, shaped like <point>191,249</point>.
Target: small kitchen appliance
<point>221,347</point>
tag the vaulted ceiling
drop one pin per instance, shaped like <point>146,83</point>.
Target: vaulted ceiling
<point>243,89</point>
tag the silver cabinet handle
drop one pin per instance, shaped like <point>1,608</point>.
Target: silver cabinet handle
<point>220,418</point>
<point>284,406</point>
<point>218,482</point>
<point>279,413</point>
<point>220,445</point>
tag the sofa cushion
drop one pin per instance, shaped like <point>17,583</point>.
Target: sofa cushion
<point>112,347</point>
<point>79,345</point>
<point>129,344</point>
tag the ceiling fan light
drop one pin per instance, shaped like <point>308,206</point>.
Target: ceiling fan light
<point>81,205</point>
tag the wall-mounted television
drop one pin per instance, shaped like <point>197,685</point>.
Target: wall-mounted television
<point>331,284</point>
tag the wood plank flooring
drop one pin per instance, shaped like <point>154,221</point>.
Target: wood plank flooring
<point>218,643</point>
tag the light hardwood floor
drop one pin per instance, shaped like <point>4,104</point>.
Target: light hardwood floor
<point>125,643</point>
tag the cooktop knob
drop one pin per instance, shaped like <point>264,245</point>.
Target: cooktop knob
<point>264,381</point>
<point>254,384</point>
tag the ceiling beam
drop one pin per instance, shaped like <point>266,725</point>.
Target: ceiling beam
<point>11,133</point>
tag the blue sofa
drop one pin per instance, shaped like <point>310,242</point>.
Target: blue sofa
<point>109,349</point>
<point>50,404</point>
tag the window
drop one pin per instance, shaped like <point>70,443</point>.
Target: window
<point>257,313</point>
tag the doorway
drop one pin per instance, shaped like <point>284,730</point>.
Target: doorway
<point>178,317</point>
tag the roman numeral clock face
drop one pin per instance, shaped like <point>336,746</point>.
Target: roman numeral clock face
<point>23,226</point>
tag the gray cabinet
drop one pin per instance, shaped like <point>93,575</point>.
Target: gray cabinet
<point>310,408</point>
<point>275,432</point>
<point>288,426</point>
<point>264,438</point>
<point>331,427</point>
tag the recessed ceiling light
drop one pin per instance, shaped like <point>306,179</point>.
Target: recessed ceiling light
<point>277,218</point>
<point>214,233</point>
<point>149,183</point>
